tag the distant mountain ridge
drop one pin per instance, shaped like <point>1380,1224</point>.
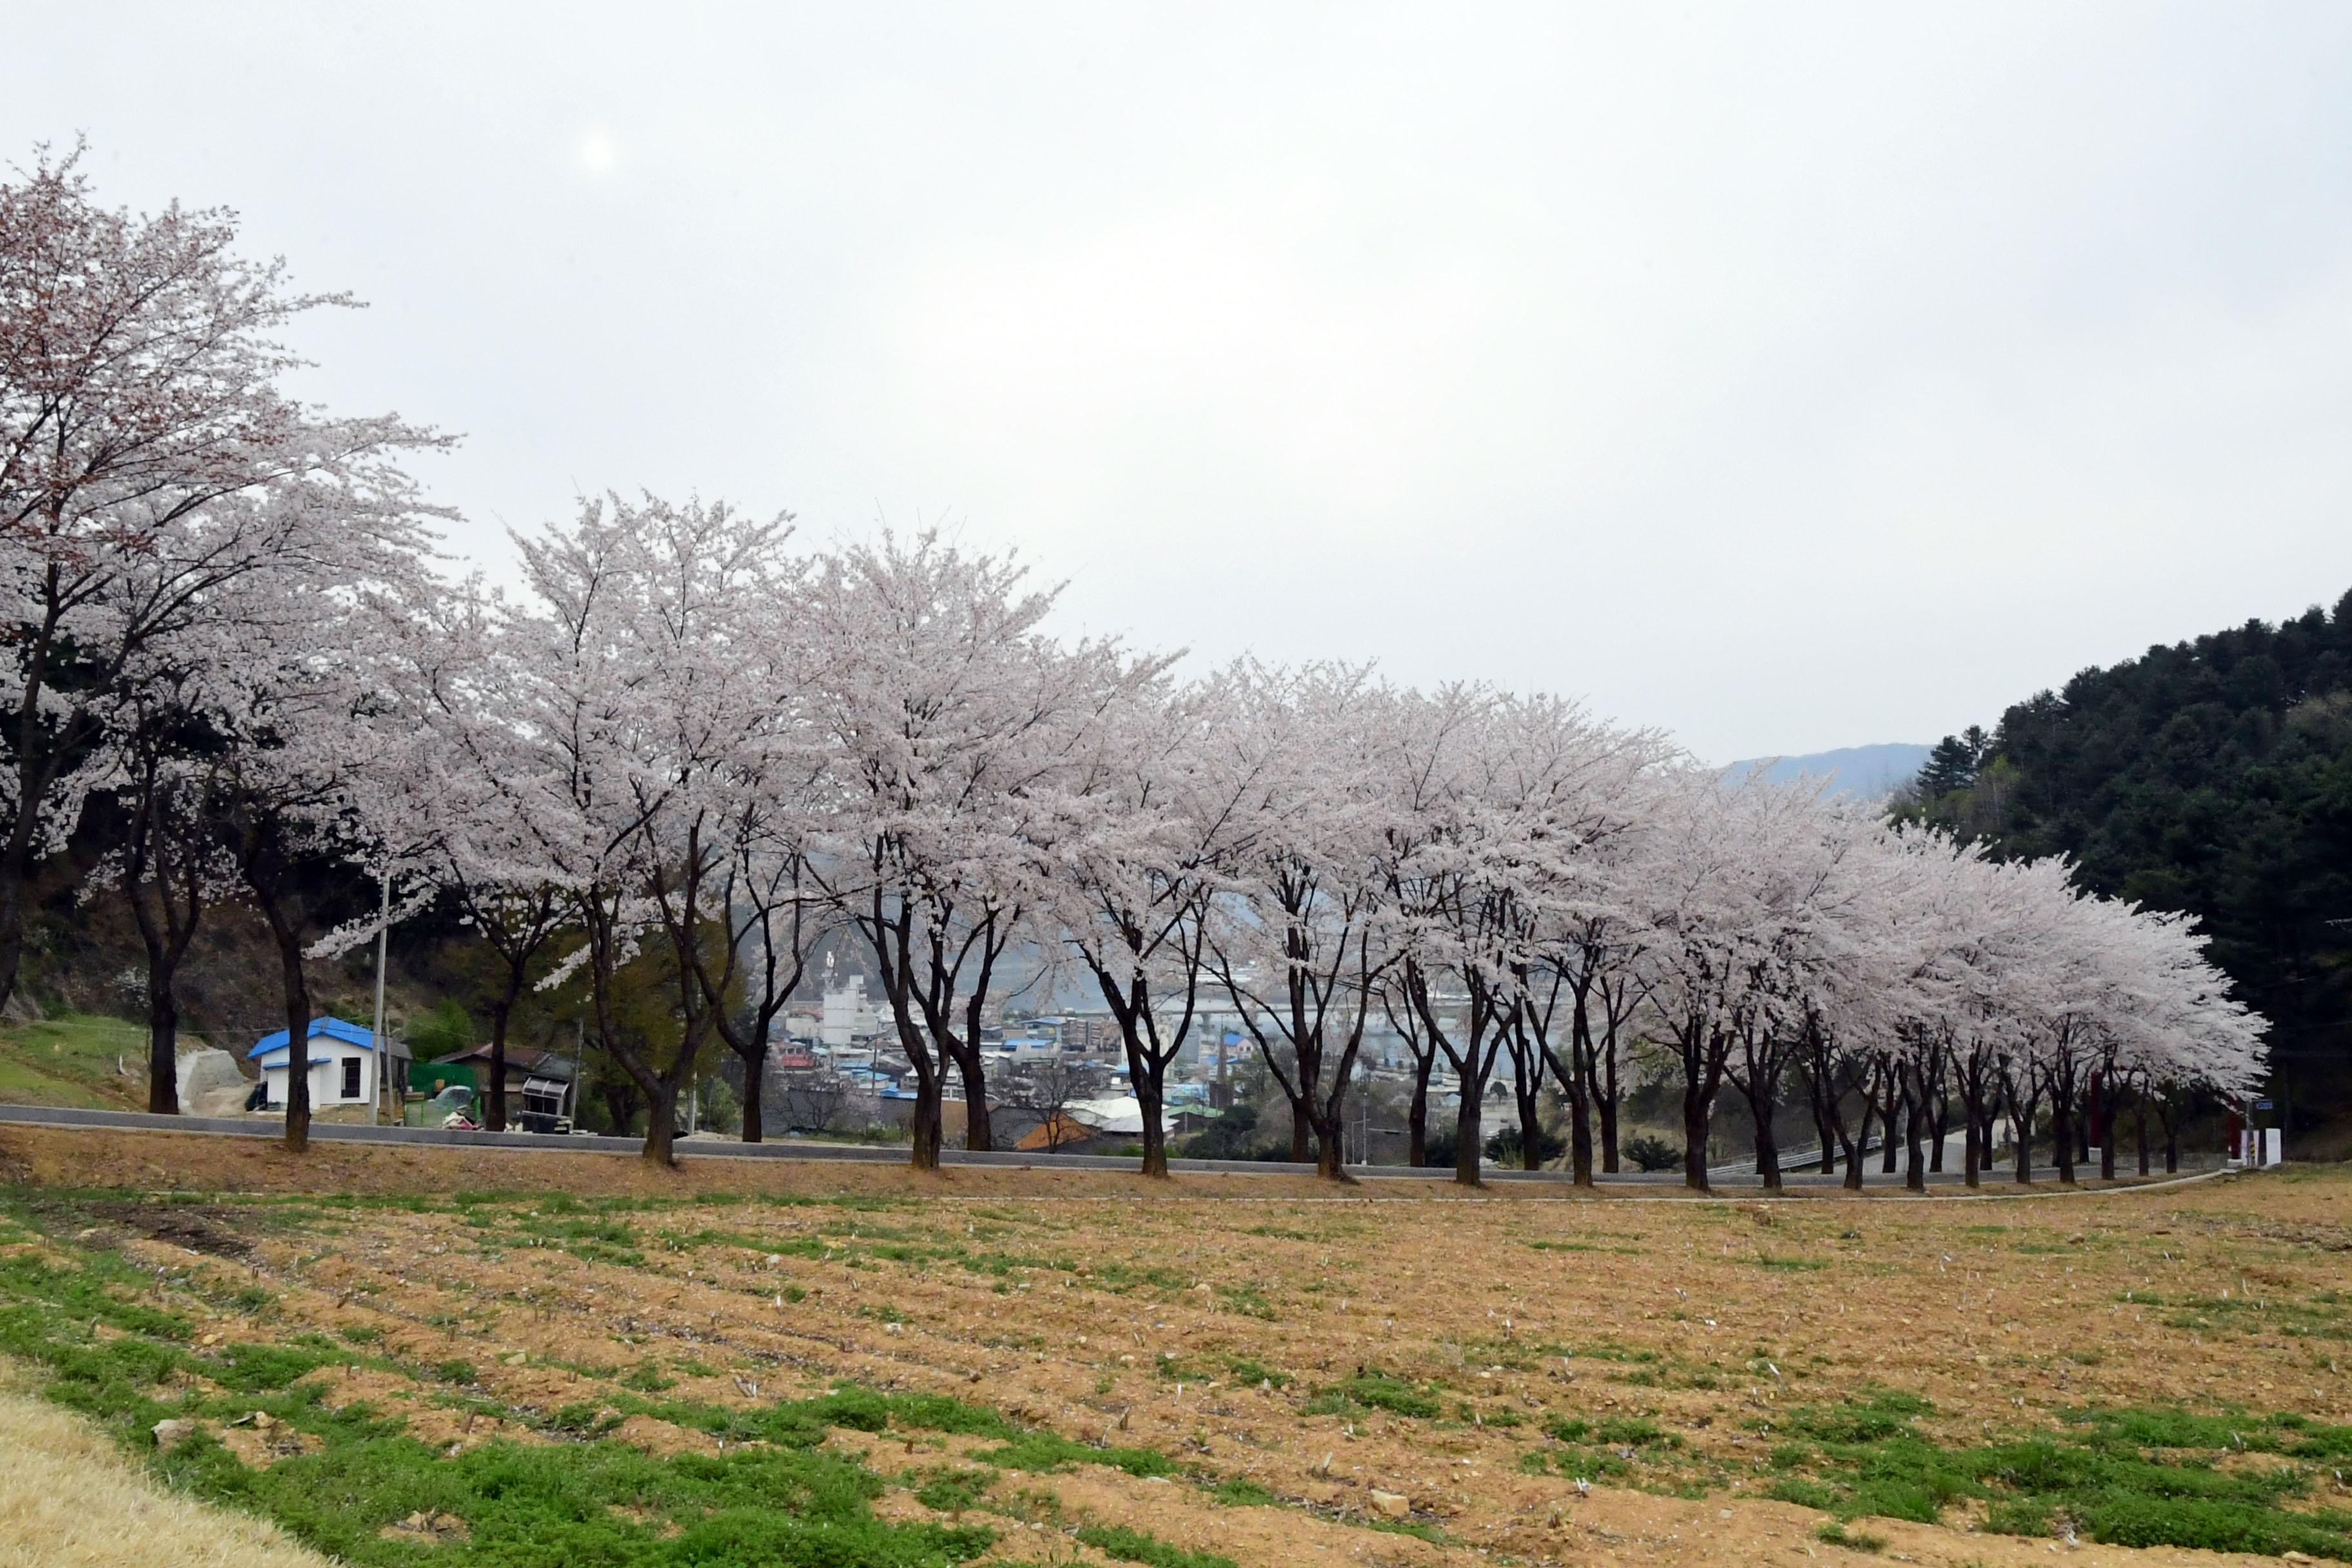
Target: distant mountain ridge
<point>1859,773</point>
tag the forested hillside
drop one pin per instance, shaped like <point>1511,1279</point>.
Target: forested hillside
<point>2213,777</point>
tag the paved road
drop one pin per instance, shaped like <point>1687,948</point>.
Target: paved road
<point>804,1150</point>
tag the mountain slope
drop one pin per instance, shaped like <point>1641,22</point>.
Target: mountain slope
<point>1864,772</point>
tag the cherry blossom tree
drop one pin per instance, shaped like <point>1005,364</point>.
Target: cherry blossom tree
<point>1297,935</point>
<point>636,684</point>
<point>1580,796</point>
<point>167,864</point>
<point>1732,895</point>
<point>1161,800</point>
<point>485,852</point>
<point>954,723</point>
<point>1463,894</point>
<point>146,450</point>
<point>309,680</point>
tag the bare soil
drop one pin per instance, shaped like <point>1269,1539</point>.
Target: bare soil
<point>1211,1318</point>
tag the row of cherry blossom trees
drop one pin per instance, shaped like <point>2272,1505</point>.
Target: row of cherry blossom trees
<point>681,732</point>
<point>684,732</point>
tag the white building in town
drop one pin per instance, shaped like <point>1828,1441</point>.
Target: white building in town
<point>343,1065</point>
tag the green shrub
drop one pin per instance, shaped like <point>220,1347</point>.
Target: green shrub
<point>1652,1153</point>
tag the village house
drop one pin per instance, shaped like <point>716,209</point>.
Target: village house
<point>343,1065</point>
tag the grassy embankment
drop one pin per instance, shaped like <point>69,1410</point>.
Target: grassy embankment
<point>75,1059</point>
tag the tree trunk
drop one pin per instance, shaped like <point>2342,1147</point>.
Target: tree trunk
<point>1856,1150</point>
<point>1939,1123</point>
<point>495,1119</point>
<point>1852,1180</point>
<point>12,873</point>
<point>661,1126</point>
<point>1697,1112</point>
<point>1573,1083</point>
<point>1579,1131</point>
<point>1972,1154</point>
<point>1302,1130</point>
<point>1467,1130</point>
<point>165,939</point>
<point>163,1044</point>
<point>1821,1128</point>
<point>1605,1101</point>
<point>1416,1120</point>
<point>1895,1095</point>
<point>1147,1093</point>
<point>286,929</point>
<point>620,1103</point>
<point>1331,1138</point>
<point>2022,1115</point>
<point>979,1133</point>
<point>923,1127</point>
<point>755,1080</point>
<point>1914,1165</point>
<point>2062,1126</point>
<point>1767,1143</point>
<point>1530,1130</point>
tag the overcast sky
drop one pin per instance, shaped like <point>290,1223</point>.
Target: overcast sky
<point>1788,376</point>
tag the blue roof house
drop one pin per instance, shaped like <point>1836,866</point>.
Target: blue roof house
<point>343,1065</point>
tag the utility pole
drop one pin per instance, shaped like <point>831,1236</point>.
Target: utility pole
<point>382,936</point>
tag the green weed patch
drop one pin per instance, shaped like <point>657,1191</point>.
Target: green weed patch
<point>2126,1478</point>
<point>1134,1546</point>
<point>1048,1452</point>
<point>1371,1389</point>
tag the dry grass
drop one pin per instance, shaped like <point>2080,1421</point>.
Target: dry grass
<point>71,1498</point>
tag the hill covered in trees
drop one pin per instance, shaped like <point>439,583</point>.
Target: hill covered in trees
<point>2214,776</point>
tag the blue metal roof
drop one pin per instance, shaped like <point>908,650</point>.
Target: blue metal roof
<point>333,1029</point>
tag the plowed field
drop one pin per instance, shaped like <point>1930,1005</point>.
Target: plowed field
<point>1259,1371</point>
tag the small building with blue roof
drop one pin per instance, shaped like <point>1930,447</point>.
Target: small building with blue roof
<point>343,1065</point>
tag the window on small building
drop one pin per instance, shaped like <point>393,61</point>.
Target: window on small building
<point>351,1078</point>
